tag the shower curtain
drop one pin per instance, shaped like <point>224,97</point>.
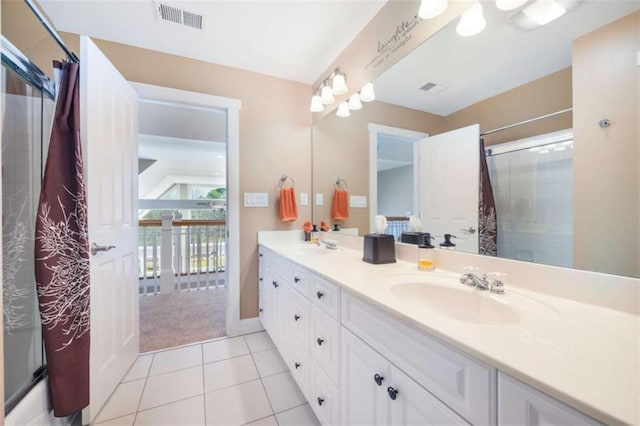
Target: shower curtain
<point>62,254</point>
<point>487,220</point>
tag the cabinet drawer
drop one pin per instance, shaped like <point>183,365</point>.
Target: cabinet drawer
<point>521,404</point>
<point>299,317</point>
<point>300,367</point>
<point>464,384</point>
<point>326,295</point>
<point>324,342</point>
<point>299,278</point>
<point>324,397</point>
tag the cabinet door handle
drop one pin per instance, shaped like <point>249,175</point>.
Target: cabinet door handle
<point>296,317</point>
<point>319,294</point>
<point>297,365</point>
<point>393,393</point>
<point>261,310</point>
<point>378,379</point>
<point>260,255</point>
<point>261,279</point>
<point>320,401</point>
<point>320,341</point>
<point>296,280</point>
<point>275,284</point>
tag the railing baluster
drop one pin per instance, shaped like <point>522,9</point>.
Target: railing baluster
<point>155,264</point>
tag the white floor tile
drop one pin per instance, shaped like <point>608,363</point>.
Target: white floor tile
<point>120,421</point>
<point>229,372</point>
<point>123,401</point>
<point>237,405</point>
<point>269,362</point>
<point>176,359</point>
<point>267,421</point>
<point>225,348</point>
<point>139,369</point>
<point>172,387</point>
<point>283,392</point>
<point>259,341</point>
<point>186,412</point>
<point>299,416</point>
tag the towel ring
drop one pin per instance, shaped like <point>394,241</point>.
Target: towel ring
<point>340,181</point>
<point>284,178</point>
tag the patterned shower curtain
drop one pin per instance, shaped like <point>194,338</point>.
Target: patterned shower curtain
<point>487,220</point>
<point>62,254</point>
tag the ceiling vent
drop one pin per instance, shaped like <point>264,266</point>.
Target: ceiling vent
<point>172,13</point>
<point>432,88</point>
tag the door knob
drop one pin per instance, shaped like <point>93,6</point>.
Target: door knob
<point>96,248</point>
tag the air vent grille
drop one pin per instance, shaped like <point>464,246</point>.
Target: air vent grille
<point>432,87</point>
<point>171,13</point>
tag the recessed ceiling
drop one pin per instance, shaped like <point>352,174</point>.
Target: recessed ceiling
<point>289,39</point>
<point>500,58</point>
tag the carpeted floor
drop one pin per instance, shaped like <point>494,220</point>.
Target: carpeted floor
<point>180,318</point>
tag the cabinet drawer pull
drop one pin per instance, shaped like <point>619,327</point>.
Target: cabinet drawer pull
<point>261,279</point>
<point>320,341</point>
<point>378,379</point>
<point>260,255</point>
<point>393,393</point>
<point>297,365</point>
<point>319,294</point>
<point>296,317</point>
<point>261,310</point>
<point>320,401</point>
<point>275,284</point>
<point>296,280</point>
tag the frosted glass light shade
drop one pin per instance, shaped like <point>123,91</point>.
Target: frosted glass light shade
<point>509,4</point>
<point>354,102</point>
<point>339,85</point>
<point>316,104</point>
<point>367,93</point>
<point>544,11</point>
<point>326,95</point>
<point>343,110</point>
<point>472,21</point>
<point>432,8</point>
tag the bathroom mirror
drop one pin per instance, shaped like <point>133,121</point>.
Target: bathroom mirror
<point>539,171</point>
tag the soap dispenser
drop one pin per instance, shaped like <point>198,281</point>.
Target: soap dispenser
<point>314,235</point>
<point>426,253</point>
<point>447,244</point>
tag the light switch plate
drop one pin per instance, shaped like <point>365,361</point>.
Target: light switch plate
<point>304,199</point>
<point>358,201</point>
<point>319,199</point>
<point>256,199</point>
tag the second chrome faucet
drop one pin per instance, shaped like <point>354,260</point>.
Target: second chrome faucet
<point>483,282</point>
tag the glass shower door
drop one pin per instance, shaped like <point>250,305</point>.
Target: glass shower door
<point>26,122</point>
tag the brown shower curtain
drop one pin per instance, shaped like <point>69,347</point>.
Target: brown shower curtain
<point>62,254</point>
<point>487,220</point>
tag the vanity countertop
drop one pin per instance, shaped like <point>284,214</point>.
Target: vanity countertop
<point>584,355</point>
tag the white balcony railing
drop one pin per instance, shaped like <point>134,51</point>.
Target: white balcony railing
<point>180,255</point>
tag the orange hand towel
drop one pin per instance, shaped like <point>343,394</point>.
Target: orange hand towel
<point>340,206</point>
<point>288,206</point>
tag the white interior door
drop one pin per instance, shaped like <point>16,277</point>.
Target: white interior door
<point>109,119</point>
<point>449,186</point>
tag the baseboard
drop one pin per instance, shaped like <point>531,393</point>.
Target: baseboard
<point>251,325</point>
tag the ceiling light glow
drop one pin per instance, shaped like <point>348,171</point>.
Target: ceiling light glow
<point>432,8</point>
<point>472,21</point>
<point>509,4</point>
<point>544,11</point>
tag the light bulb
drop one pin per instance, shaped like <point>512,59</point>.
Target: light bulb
<point>544,11</point>
<point>432,8</point>
<point>472,21</point>
<point>316,103</point>
<point>509,4</point>
<point>339,84</point>
<point>367,94</point>
<point>354,102</point>
<point>343,110</point>
<point>327,95</point>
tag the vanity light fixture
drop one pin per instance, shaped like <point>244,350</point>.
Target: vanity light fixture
<point>367,93</point>
<point>343,110</point>
<point>339,83</point>
<point>326,93</point>
<point>472,21</point>
<point>316,102</point>
<point>541,12</point>
<point>432,8</point>
<point>354,102</point>
<point>509,4</point>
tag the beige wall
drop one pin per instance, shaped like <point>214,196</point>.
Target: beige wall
<point>341,149</point>
<point>606,84</point>
<point>275,124</point>
<point>539,97</point>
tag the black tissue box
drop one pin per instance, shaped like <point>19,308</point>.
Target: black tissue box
<point>412,237</point>
<point>379,249</point>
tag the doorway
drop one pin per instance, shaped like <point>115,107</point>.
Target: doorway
<point>188,257</point>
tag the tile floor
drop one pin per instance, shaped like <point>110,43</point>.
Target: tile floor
<point>230,381</point>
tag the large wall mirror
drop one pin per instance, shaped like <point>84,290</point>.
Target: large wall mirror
<point>566,184</point>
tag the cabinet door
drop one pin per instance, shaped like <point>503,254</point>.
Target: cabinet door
<point>522,405</point>
<point>411,404</point>
<point>363,400</point>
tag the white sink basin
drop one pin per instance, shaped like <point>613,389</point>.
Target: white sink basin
<point>460,304</point>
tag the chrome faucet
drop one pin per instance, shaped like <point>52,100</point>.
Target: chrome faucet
<point>330,244</point>
<point>474,281</point>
